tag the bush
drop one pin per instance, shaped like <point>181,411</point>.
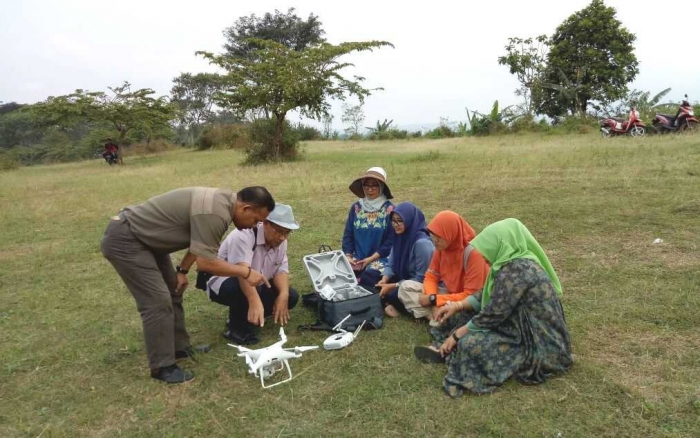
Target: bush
<point>8,162</point>
<point>527,124</point>
<point>577,125</point>
<point>442,131</point>
<point>262,135</point>
<point>224,137</point>
<point>389,134</point>
<point>306,132</point>
<point>146,148</point>
<point>416,134</point>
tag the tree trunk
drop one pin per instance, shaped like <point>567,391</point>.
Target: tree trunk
<point>278,136</point>
<point>122,135</point>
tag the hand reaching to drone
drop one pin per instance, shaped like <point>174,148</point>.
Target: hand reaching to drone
<point>256,313</point>
<point>280,310</point>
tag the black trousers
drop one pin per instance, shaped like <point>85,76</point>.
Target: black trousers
<point>231,295</point>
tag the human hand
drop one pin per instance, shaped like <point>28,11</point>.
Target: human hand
<point>435,310</point>
<point>447,346</point>
<point>445,312</point>
<point>255,279</point>
<point>280,310</point>
<point>385,288</point>
<point>182,283</point>
<point>256,313</point>
<point>365,262</point>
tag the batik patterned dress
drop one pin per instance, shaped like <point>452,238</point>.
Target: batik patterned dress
<point>521,332</point>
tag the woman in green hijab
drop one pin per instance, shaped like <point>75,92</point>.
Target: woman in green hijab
<point>514,327</point>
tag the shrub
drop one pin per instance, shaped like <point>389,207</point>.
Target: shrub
<point>390,134</point>
<point>262,136</point>
<point>442,131</point>
<point>306,132</point>
<point>7,162</point>
<point>577,125</point>
<point>220,136</point>
<point>146,148</point>
<point>416,134</point>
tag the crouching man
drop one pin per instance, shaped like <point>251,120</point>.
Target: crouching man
<point>263,249</point>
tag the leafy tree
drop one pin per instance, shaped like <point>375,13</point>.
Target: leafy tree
<point>281,79</point>
<point>123,109</point>
<point>194,96</point>
<point>327,121</point>
<point>380,127</point>
<point>18,126</point>
<point>527,60</point>
<point>595,53</point>
<point>287,29</point>
<point>353,115</point>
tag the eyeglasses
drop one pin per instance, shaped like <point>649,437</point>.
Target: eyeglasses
<point>435,238</point>
<point>279,230</point>
<point>370,186</point>
<point>396,222</point>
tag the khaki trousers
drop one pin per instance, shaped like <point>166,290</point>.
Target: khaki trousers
<point>409,294</point>
<point>152,281</point>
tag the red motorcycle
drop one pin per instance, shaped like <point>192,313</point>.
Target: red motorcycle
<point>683,121</point>
<point>632,126</point>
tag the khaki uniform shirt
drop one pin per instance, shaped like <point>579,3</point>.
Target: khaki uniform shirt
<point>194,217</point>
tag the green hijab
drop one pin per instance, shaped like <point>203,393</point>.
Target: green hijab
<point>508,240</point>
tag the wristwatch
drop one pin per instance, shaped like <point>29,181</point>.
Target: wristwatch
<point>433,299</point>
<point>179,270</point>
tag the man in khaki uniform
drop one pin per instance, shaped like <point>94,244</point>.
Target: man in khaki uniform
<point>138,243</point>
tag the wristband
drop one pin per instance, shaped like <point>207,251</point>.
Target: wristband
<point>180,270</point>
<point>454,336</point>
<point>249,271</point>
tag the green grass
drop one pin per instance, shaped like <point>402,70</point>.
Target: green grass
<point>73,361</point>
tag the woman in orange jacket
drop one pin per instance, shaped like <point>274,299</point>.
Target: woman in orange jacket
<point>456,270</point>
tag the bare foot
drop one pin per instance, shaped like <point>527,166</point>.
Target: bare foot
<point>391,311</point>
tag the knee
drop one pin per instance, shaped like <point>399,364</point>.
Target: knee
<point>293,298</point>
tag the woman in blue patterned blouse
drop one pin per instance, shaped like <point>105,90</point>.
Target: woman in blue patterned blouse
<point>368,238</point>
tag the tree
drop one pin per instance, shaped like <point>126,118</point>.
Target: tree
<point>327,121</point>
<point>527,60</point>
<point>380,127</point>
<point>123,109</point>
<point>281,79</point>
<point>353,115</point>
<point>194,96</point>
<point>286,29</point>
<point>595,52</point>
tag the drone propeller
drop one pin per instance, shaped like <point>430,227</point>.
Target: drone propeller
<point>299,350</point>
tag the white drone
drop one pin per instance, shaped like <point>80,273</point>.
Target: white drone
<point>343,338</point>
<point>265,362</point>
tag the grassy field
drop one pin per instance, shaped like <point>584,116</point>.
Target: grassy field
<point>72,354</point>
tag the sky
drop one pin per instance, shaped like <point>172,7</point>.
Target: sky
<point>444,60</point>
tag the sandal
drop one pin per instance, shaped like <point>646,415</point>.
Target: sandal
<point>428,355</point>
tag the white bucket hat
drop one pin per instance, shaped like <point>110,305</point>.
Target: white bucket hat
<point>282,216</point>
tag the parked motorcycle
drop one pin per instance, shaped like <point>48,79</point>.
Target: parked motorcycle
<point>683,121</point>
<point>632,126</point>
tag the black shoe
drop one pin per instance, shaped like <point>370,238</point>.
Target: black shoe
<point>241,337</point>
<point>428,355</point>
<point>191,352</point>
<point>172,374</point>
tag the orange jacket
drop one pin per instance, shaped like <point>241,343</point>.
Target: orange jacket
<point>473,279</point>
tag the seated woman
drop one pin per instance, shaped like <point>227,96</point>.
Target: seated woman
<point>514,327</point>
<point>410,255</point>
<point>368,237</point>
<point>461,270</point>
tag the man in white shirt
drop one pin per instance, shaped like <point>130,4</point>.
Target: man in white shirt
<point>262,249</point>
